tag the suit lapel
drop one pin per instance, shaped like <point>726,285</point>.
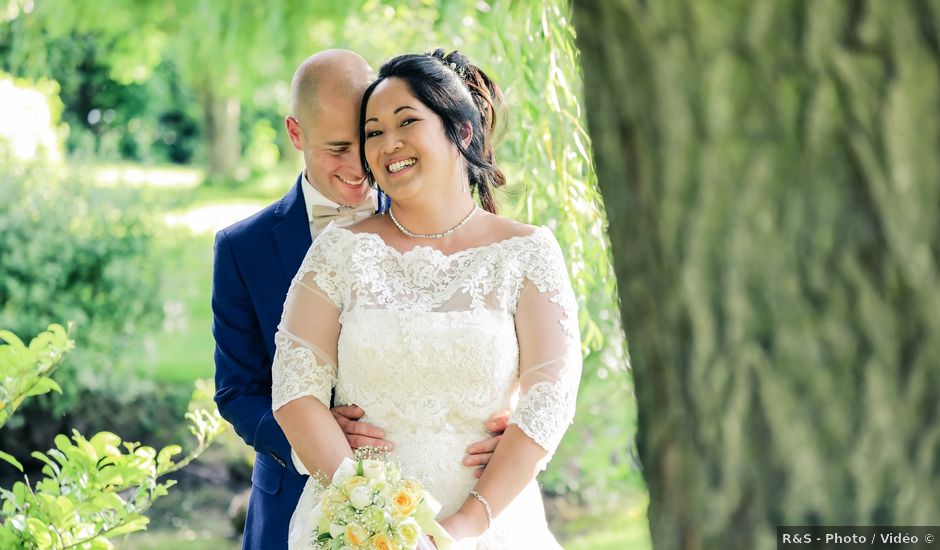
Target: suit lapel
<point>292,235</point>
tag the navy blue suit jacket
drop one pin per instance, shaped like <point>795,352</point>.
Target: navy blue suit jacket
<point>255,260</point>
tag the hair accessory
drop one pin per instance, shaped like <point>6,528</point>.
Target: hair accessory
<point>439,55</point>
<point>486,506</point>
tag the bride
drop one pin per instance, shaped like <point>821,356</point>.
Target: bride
<point>434,315</point>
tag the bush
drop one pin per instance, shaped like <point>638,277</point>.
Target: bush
<point>70,251</point>
<point>90,488</point>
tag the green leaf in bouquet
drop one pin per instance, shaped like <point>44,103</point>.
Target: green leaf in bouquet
<point>9,458</point>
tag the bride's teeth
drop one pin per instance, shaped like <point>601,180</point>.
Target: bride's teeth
<point>396,166</point>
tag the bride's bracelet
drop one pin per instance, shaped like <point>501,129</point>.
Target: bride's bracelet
<point>486,506</point>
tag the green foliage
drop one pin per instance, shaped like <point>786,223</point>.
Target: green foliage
<point>92,489</point>
<point>26,370</point>
<point>70,251</point>
<point>769,171</point>
<point>553,183</point>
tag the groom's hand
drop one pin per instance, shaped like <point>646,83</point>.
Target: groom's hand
<point>359,434</point>
<point>480,453</point>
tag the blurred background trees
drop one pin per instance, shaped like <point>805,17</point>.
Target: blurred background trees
<point>163,121</point>
<point>770,171</point>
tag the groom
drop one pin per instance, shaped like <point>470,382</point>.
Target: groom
<point>255,260</point>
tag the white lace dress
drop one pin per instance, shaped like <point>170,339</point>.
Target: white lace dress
<point>430,345</point>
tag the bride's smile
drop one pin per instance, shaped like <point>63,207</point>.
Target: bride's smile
<point>411,157</point>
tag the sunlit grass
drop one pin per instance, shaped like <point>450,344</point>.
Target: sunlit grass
<point>170,176</point>
<point>625,530</point>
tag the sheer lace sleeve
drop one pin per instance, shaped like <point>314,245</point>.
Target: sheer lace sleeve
<point>549,345</point>
<point>305,355</point>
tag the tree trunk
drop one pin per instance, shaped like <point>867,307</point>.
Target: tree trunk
<point>222,135</point>
<point>769,170</point>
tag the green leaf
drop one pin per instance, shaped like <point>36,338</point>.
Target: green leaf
<point>134,523</point>
<point>106,443</point>
<point>12,340</point>
<point>44,385</point>
<point>11,460</point>
<point>167,453</point>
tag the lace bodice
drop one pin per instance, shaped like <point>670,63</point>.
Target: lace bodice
<point>430,345</point>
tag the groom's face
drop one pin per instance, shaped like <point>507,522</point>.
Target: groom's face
<point>330,142</point>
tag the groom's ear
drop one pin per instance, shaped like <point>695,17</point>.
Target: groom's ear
<point>294,132</point>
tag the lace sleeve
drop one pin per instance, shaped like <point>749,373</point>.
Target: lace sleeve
<point>549,345</point>
<point>305,355</point>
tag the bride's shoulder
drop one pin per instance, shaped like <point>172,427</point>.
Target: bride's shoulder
<point>502,229</point>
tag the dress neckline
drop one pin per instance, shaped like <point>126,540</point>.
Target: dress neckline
<point>425,248</point>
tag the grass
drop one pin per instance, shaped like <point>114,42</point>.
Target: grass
<point>627,529</point>
<point>182,350</point>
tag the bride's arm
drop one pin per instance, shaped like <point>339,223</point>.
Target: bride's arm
<point>304,369</point>
<point>549,370</point>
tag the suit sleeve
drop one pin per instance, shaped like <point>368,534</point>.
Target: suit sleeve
<point>242,365</point>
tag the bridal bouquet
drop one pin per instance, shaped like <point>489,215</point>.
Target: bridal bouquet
<point>370,506</point>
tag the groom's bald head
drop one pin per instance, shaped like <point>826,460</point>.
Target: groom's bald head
<point>326,78</point>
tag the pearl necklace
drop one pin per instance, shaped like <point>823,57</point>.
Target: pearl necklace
<point>440,235</point>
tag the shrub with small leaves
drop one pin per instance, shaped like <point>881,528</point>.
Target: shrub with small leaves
<point>92,489</point>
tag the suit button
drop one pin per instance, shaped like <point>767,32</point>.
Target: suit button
<point>279,461</point>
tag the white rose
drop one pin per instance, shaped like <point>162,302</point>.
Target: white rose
<point>373,469</point>
<point>360,497</point>
<point>336,530</point>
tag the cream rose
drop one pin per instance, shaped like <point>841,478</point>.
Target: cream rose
<point>381,541</point>
<point>404,501</point>
<point>356,535</point>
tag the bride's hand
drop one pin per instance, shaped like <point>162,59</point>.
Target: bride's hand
<point>460,525</point>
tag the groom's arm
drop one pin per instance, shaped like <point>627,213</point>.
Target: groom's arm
<point>242,364</point>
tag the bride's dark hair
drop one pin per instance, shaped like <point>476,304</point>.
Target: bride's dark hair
<point>460,93</point>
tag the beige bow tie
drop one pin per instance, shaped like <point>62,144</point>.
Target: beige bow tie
<point>344,215</point>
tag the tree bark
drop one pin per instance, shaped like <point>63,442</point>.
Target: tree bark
<point>223,138</point>
<point>769,170</point>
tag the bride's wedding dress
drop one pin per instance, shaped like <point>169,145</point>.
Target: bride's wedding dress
<point>430,345</point>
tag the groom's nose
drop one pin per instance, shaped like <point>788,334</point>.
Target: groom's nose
<point>353,167</point>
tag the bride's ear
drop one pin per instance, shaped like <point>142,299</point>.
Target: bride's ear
<point>466,134</point>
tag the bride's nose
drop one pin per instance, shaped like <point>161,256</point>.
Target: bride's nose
<point>392,144</point>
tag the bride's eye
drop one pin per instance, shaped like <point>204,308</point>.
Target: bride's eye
<point>408,121</point>
<point>372,133</point>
